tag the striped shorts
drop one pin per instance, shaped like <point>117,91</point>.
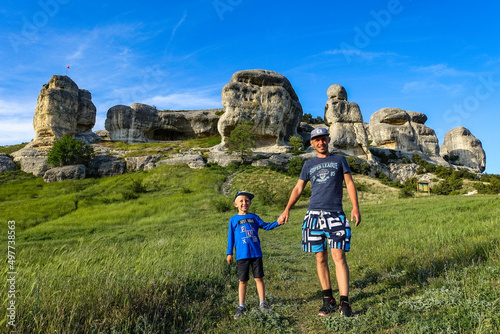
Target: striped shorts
<point>322,227</point>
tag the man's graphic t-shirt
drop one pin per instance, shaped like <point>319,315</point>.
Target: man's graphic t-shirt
<point>326,176</point>
<point>243,235</point>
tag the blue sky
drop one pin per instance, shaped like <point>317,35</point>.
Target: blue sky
<point>441,58</point>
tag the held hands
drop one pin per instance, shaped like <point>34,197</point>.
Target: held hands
<point>283,218</point>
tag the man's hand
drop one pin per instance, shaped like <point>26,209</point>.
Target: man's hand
<point>356,215</point>
<point>229,259</point>
<point>284,217</point>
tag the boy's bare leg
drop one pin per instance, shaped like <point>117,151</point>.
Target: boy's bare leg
<point>261,288</point>
<point>323,270</point>
<point>341,271</point>
<point>242,291</point>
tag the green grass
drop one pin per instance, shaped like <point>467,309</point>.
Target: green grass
<point>8,149</point>
<point>145,253</point>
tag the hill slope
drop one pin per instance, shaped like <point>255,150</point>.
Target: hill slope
<point>145,253</point>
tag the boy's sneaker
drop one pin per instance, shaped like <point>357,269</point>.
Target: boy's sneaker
<point>328,308</point>
<point>240,311</point>
<point>264,307</point>
<point>345,309</point>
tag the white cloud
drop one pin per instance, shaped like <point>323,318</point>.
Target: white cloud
<point>440,70</point>
<point>16,109</point>
<point>16,131</point>
<point>187,100</point>
<point>431,85</point>
<point>359,53</point>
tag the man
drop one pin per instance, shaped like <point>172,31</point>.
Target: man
<point>325,221</point>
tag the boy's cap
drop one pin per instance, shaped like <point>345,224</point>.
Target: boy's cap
<point>319,132</point>
<point>244,193</point>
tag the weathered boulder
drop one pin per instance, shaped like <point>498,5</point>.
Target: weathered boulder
<point>103,165</point>
<point>462,148</point>
<point>62,109</point>
<point>194,161</point>
<point>6,163</point>
<point>346,126</point>
<point>71,172</point>
<point>142,163</point>
<point>265,98</point>
<point>142,123</point>
<point>31,160</point>
<point>103,134</point>
<point>400,130</point>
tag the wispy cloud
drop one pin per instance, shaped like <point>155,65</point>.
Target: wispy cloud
<point>441,70</point>
<point>186,100</point>
<point>432,85</point>
<point>359,53</point>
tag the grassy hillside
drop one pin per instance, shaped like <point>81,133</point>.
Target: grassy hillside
<point>145,253</point>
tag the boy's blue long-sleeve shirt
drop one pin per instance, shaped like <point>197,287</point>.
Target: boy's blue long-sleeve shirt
<point>243,235</point>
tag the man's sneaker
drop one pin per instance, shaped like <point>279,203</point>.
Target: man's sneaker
<point>328,308</point>
<point>345,309</point>
<point>240,311</point>
<point>264,307</point>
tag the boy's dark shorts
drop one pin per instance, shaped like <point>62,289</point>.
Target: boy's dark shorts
<point>322,227</point>
<point>244,268</point>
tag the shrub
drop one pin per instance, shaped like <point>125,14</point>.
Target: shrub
<point>69,151</point>
<point>358,167</point>
<point>448,186</point>
<point>222,204</point>
<point>295,166</point>
<point>297,144</point>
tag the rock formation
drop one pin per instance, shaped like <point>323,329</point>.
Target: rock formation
<point>142,123</point>
<point>71,172</point>
<point>62,109</point>
<point>462,148</point>
<point>346,126</point>
<point>265,98</point>
<point>6,163</point>
<point>31,160</point>
<point>400,130</point>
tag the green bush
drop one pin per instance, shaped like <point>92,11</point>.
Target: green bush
<point>448,186</point>
<point>297,144</point>
<point>358,166</point>
<point>69,151</point>
<point>295,166</point>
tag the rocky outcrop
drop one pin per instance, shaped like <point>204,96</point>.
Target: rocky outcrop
<point>345,123</point>
<point>6,163</point>
<point>31,160</point>
<point>400,130</point>
<point>265,98</point>
<point>141,123</point>
<point>142,163</point>
<point>104,165</point>
<point>71,172</point>
<point>194,161</point>
<point>460,147</point>
<point>62,109</point>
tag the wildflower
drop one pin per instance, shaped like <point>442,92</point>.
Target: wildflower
<point>188,330</point>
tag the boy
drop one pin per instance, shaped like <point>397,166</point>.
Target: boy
<point>243,236</point>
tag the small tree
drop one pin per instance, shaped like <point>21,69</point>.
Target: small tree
<point>69,151</point>
<point>296,143</point>
<point>242,140</point>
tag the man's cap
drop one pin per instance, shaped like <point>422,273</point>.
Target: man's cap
<point>244,193</point>
<point>319,132</point>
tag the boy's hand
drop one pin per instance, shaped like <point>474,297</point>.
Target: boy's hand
<point>229,259</point>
